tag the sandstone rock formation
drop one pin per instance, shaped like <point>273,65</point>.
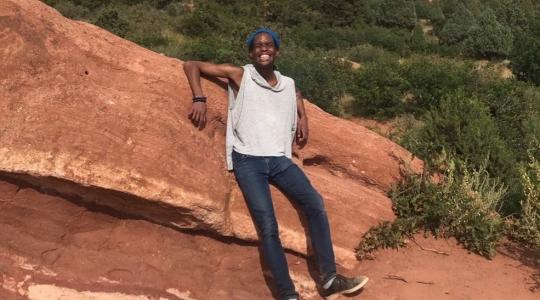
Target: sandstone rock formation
<point>99,119</point>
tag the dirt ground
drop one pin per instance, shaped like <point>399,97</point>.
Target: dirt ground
<point>53,248</point>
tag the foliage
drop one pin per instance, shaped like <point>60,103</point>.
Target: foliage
<point>430,10</point>
<point>512,104</point>
<point>430,79</point>
<point>489,38</point>
<point>324,38</point>
<point>462,125</point>
<point>527,228</point>
<point>378,90</point>
<point>385,235</point>
<point>366,53</point>
<point>456,28</point>
<point>526,55</point>
<point>321,79</point>
<point>111,20</point>
<point>463,206</point>
<point>400,13</point>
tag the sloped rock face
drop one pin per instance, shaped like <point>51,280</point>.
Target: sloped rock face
<point>51,248</point>
<point>92,116</point>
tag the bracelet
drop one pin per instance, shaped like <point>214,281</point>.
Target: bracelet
<point>199,99</point>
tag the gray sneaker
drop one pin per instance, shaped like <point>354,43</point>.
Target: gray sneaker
<point>344,285</point>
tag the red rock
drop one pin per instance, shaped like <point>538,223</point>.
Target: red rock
<point>96,117</point>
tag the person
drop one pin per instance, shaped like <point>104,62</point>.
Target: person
<point>265,116</point>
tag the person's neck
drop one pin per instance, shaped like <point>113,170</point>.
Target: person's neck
<point>266,72</point>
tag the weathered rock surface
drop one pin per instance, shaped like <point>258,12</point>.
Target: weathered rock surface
<point>100,119</point>
<point>53,249</point>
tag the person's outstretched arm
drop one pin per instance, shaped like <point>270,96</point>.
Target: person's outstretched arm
<point>302,130</point>
<point>193,70</point>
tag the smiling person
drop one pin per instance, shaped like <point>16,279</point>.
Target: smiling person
<point>265,115</point>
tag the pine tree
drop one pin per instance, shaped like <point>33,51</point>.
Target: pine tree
<point>400,13</point>
<point>457,26</point>
<point>489,38</point>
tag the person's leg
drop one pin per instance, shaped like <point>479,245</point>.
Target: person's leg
<point>294,183</point>
<point>252,175</point>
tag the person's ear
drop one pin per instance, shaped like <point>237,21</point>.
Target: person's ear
<point>277,53</point>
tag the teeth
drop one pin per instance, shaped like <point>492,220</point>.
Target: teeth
<point>265,56</point>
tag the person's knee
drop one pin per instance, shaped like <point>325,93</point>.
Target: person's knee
<point>268,228</point>
<point>316,205</point>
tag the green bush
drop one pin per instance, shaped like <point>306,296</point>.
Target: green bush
<point>526,55</point>
<point>214,49</point>
<point>431,78</point>
<point>463,206</point>
<point>510,104</point>
<point>323,80</point>
<point>457,26</point>
<point>462,125</point>
<point>111,20</point>
<point>527,227</point>
<point>393,39</point>
<point>489,38</point>
<point>323,38</point>
<point>367,53</point>
<point>379,90</point>
<point>72,10</point>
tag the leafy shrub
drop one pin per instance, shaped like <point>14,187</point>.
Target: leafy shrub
<point>394,39</point>
<point>430,10</point>
<point>463,206</point>
<point>366,53</point>
<point>217,50</point>
<point>323,38</point>
<point>378,89</point>
<point>489,38</point>
<point>509,104</point>
<point>527,227</point>
<point>431,78</point>
<point>72,10</point>
<point>323,80</point>
<point>111,20</point>
<point>456,28</point>
<point>526,55</point>
<point>385,235</point>
<point>147,24</point>
<point>400,13</point>
<point>462,125</point>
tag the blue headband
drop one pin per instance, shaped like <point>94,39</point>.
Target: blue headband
<point>275,37</point>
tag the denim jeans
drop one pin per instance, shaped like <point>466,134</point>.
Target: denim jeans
<point>254,173</point>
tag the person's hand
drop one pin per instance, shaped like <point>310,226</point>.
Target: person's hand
<point>197,114</point>
<point>302,132</point>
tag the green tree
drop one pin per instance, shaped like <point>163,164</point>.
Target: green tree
<point>457,26</point>
<point>489,38</point>
<point>322,79</point>
<point>525,56</point>
<point>111,20</point>
<point>378,90</point>
<point>462,125</point>
<point>510,13</point>
<point>430,80</point>
<point>399,13</point>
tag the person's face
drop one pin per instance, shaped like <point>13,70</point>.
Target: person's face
<point>263,52</point>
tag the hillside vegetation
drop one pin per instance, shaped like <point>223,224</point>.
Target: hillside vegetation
<point>416,64</point>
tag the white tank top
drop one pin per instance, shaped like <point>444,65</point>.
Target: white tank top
<point>262,118</point>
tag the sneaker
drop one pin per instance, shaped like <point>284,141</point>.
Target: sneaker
<point>344,285</point>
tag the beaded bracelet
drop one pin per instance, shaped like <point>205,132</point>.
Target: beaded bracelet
<point>199,99</point>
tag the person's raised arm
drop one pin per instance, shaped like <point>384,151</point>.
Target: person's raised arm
<point>302,130</point>
<point>193,70</point>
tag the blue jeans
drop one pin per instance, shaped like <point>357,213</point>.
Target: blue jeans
<point>254,173</point>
